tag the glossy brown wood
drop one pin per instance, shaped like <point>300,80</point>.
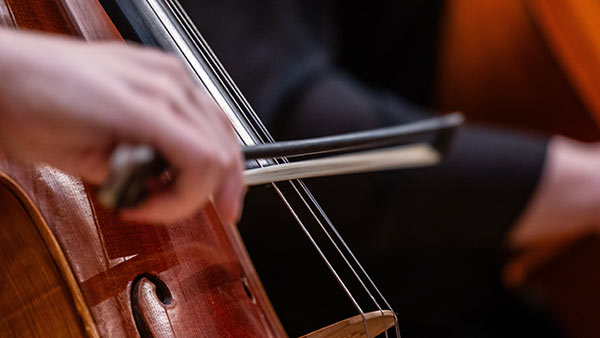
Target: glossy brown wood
<point>568,283</point>
<point>496,66</point>
<point>214,290</point>
<point>47,16</point>
<point>533,64</point>
<point>571,30</point>
<point>34,297</point>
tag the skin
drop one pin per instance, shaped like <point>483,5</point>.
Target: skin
<point>565,202</point>
<point>68,104</point>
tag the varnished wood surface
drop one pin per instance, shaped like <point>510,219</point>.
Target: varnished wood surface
<point>495,66</point>
<point>353,327</point>
<point>47,16</point>
<point>214,293</point>
<point>533,64</point>
<point>568,283</point>
<point>571,29</point>
<point>89,20</point>
<point>33,295</point>
<point>214,290</point>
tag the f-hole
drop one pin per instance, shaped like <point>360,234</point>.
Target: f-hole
<point>162,294</point>
<point>247,288</point>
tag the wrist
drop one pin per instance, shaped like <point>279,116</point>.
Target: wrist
<point>566,198</point>
<point>575,170</point>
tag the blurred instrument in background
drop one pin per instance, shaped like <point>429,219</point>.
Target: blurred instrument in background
<point>534,65</point>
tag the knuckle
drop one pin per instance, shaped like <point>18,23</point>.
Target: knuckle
<point>204,156</point>
<point>149,55</point>
<point>223,117</point>
<point>161,105</point>
<point>205,100</point>
<point>174,66</point>
<point>168,90</point>
<point>222,160</point>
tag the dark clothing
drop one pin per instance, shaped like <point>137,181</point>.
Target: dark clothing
<point>432,238</point>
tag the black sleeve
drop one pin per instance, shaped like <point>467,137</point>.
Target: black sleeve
<point>286,71</point>
<point>464,205</point>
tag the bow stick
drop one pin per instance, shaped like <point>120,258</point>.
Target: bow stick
<point>416,144</point>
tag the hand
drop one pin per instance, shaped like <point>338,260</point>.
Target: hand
<point>69,103</point>
<point>567,199</point>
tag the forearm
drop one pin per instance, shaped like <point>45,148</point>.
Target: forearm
<point>566,198</point>
<point>10,53</point>
<point>468,203</point>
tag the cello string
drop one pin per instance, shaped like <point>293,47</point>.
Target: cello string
<point>219,68</point>
<point>324,258</point>
<point>357,262</point>
<point>210,59</point>
<point>365,287</point>
<point>216,67</point>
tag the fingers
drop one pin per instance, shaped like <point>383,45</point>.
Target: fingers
<point>94,96</point>
<point>94,166</point>
<point>229,197</point>
<point>168,110</point>
<point>189,193</point>
<point>207,159</point>
<point>193,187</point>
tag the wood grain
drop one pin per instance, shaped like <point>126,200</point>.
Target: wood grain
<point>571,30</point>
<point>46,16</point>
<point>33,295</point>
<point>89,20</point>
<point>533,64</point>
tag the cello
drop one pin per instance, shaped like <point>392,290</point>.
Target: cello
<point>73,268</point>
<point>532,64</point>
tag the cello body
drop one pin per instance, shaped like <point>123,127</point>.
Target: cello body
<point>534,65</point>
<point>499,62</point>
<point>70,268</point>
